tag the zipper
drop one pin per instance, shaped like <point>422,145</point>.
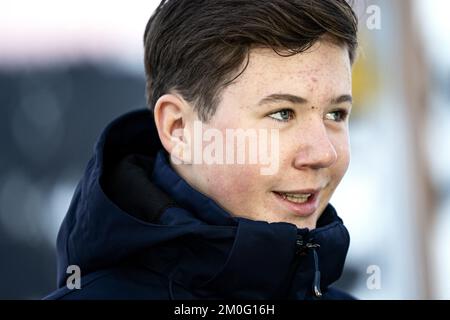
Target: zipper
<point>302,248</point>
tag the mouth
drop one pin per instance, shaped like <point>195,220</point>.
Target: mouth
<point>302,203</point>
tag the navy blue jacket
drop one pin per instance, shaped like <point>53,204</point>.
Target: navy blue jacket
<point>137,230</point>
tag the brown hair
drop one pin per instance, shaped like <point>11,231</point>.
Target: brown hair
<point>197,47</point>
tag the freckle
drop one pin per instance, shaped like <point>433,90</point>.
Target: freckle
<point>314,79</point>
<point>313,108</point>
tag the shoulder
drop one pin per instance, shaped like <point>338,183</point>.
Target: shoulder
<point>118,283</point>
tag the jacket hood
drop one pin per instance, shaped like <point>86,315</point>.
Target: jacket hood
<point>131,206</point>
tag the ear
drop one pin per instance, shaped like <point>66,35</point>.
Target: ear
<point>172,114</point>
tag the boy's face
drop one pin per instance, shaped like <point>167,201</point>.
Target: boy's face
<point>312,146</point>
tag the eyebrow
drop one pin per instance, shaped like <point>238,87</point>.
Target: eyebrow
<point>299,100</point>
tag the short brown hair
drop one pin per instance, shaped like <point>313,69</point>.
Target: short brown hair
<point>197,47</point>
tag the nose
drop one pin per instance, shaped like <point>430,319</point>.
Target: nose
<point>315,150</point>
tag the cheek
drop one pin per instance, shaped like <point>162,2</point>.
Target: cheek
<point>343,159</point>
<point>232,183</point>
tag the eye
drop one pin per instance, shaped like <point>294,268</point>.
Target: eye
<point>337,115</point>
<point>283,115</point>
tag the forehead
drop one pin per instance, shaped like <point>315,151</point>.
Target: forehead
<point>323,69</point>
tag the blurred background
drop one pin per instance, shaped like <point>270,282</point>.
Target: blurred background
<point>67,68</point>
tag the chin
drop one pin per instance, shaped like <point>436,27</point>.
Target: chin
<point>305,222</point>
<point>302,225</point>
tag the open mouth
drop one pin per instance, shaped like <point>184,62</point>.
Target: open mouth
<point>302,203</point>
<point>295,197</point>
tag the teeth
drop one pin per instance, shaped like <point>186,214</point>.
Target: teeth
<point>297,198</point>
